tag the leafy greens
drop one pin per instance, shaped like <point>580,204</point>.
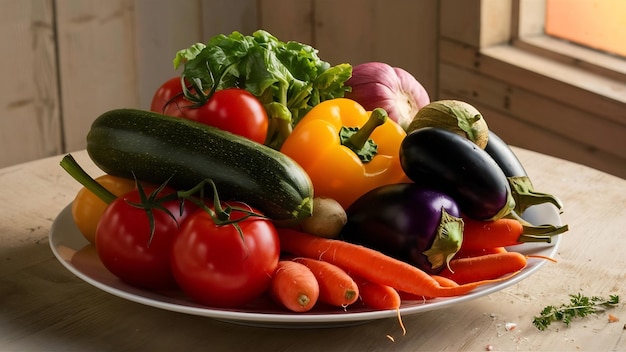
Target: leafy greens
<point>288,77</point>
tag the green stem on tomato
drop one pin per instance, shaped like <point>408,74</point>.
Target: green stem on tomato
<point>221,216</point>
<point>69,164</point>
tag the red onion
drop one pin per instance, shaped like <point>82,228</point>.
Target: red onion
<point>378,85</point>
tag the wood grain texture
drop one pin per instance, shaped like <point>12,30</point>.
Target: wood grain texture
<point>288,20</point>
<point>30,125</point>
<point>226,16</point>
<point>44,307</point>
<point>97,56</point>
<point>161,29</point>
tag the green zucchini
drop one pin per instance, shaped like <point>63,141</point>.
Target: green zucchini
<point>155,148</point>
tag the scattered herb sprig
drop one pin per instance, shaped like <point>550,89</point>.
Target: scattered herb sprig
<point>578,306</point>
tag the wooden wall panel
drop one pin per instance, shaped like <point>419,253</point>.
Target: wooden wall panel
<point>29,97</point>
<point>226,16</point>
<point>161,29</point>
<point>97,62</point>
<point>399,32</point>
<point>289,20</point>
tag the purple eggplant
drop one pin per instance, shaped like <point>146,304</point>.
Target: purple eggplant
<point>522,188</point>
<point>504,156</point>
<point>409,222</point>
<point>448,162</point>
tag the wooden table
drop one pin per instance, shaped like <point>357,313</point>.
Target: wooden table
<point>45,307</point>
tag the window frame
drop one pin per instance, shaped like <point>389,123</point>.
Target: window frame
<point>527,33</point>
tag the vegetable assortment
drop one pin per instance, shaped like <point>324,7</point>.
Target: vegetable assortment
<point>257,177</point>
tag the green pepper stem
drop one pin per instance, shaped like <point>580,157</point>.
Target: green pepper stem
<point>69,164</point>
<point>358,139</point>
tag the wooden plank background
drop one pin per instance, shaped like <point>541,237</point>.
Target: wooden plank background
<point>67,61</point>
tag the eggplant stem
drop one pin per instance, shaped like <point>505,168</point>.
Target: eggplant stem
<point>447,241</point>
<point>525,196</point>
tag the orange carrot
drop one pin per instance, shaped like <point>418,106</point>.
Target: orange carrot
<point>467,253</point>
<point>504,232</point>
<point>484,267</point>
<point>443,281</point>
<point>294,286</point>
<point>336,287</point>
<point>380,297</point>
<point>377,296</point>
<point>370,264</point>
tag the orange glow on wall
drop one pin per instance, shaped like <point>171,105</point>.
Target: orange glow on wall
<point>599,24</point>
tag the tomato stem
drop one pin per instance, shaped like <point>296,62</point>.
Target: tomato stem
<point>200,97</point>
<point>220,215</point>
<point>69,164</point>
<point>150,202</point>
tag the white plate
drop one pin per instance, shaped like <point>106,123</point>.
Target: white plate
<point>79,257</point>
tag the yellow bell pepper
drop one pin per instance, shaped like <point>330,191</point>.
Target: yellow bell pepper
<point>346,150</point>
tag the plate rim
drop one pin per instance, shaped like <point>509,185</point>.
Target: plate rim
<point>288,319</point>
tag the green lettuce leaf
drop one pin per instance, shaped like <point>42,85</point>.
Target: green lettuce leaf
<point>287,73</point>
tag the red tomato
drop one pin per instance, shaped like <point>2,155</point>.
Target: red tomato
<point>124,246</point>
<point>169,99</point>
<point>234,110</point>
<point>215,266</point>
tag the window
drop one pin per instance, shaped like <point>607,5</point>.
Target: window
<point>554,29</point>
<point>597,24</point>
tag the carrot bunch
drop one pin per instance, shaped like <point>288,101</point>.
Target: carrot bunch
<point>373,270</point>
<point>338,273</point>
